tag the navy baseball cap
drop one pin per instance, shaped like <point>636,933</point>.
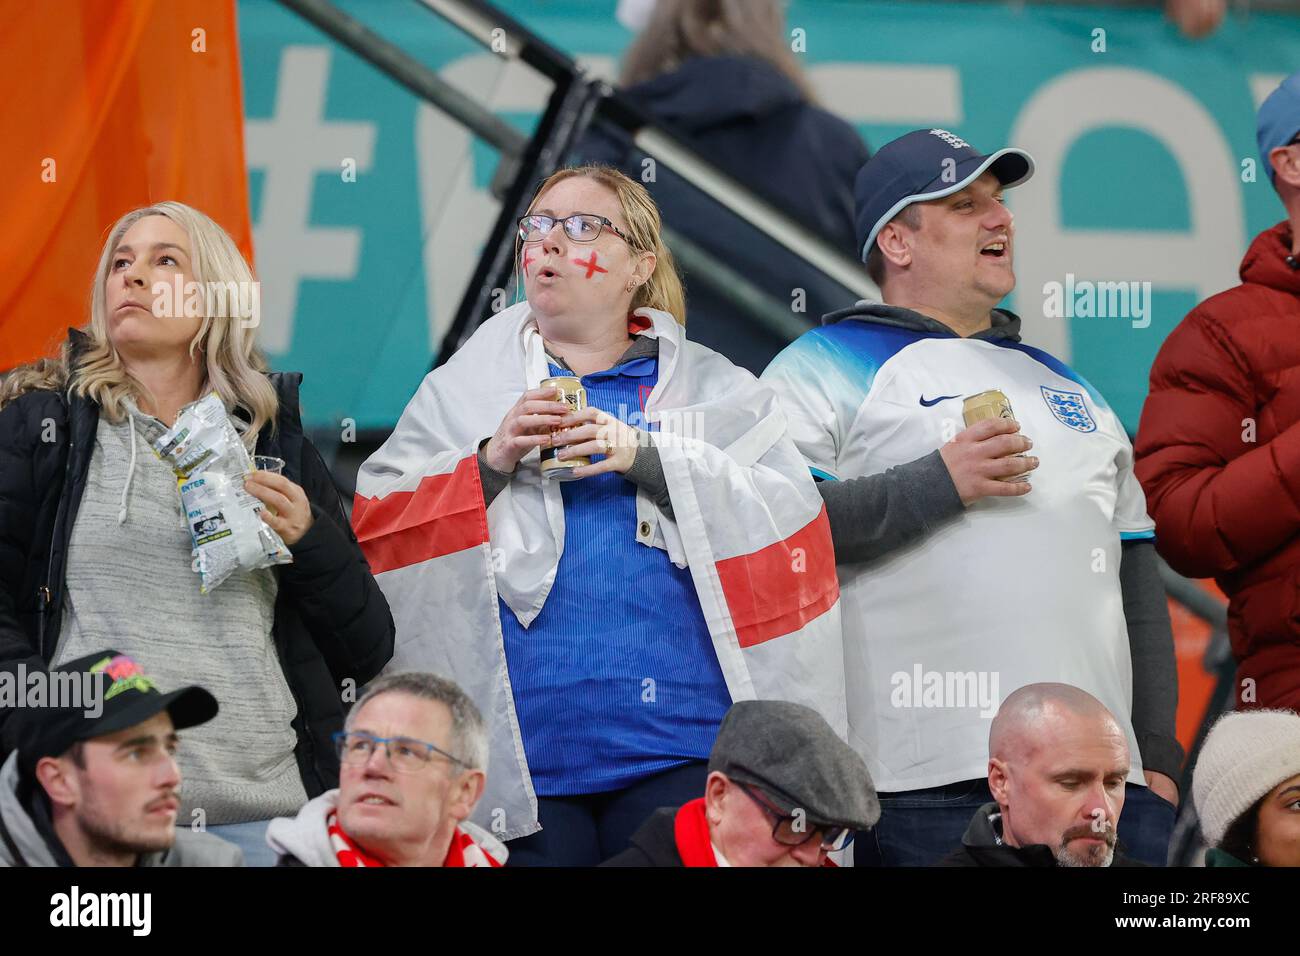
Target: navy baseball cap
<point>1279,119</point>
<point>915,168</point>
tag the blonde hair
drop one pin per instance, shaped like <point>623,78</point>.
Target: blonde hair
<point>234,367</point>
<point>663,290</point>
<point>681,29</point>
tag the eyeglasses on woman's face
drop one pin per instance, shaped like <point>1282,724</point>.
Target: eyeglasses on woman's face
<point>580,227</point>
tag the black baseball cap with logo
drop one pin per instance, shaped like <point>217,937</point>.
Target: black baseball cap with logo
<point>127,696</point>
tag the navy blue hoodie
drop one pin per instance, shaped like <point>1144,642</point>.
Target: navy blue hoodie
<point>751,121</point>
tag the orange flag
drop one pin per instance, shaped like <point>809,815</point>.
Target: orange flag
<point>108,106</point>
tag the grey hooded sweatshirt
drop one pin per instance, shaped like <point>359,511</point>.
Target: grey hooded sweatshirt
<point>304,840</point>
<point>23,844</point>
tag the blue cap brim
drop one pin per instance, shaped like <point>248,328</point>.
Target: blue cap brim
<point>1010,165</point>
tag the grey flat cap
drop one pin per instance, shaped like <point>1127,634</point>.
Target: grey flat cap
<point>791,753</point>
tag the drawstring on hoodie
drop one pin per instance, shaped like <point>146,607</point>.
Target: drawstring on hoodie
<point>130,470</point>
<point>240,426</point>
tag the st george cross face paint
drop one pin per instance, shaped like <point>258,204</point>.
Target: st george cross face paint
<point>590,265</point>
<point>564,279</point>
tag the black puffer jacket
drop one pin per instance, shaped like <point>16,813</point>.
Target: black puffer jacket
<point>332,622</point>
<point>798,156</point>
<point>653,844</point>
<point>982,845</point>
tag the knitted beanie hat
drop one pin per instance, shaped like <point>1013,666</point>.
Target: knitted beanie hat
<point>1245,755</point>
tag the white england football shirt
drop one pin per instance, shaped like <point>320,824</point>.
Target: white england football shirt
<point>1011,592</point>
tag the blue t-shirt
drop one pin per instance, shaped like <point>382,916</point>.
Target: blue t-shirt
<point>616,679</point>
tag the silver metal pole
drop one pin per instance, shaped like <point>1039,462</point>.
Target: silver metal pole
<point>411,73</point>
<point>804,243</point>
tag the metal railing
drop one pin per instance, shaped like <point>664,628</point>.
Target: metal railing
<point>575,100</point>
<point>580,99</point>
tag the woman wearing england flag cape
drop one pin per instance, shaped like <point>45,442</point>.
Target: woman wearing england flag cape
<point>602,624</point>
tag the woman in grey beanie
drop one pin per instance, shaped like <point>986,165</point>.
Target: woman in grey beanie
<point>1247,789</point>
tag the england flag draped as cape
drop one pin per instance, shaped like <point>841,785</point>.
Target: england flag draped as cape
<point>749,523</point>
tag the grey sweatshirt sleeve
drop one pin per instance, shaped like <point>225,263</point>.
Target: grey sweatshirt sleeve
<point>647,473</point>
<point>494,482</point>
<point>1155,671</point>
<point>876,514</point>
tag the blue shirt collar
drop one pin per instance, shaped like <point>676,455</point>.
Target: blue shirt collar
<point>640,360</point>
<point>634,368</point>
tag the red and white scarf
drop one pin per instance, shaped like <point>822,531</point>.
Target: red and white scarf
<point>691,834</point>
<point>462,852</point>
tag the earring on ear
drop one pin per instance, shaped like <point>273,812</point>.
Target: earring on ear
<point>631,285</point>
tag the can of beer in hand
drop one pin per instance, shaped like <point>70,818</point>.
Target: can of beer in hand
<point>990,404</point>
<point>575,395</point>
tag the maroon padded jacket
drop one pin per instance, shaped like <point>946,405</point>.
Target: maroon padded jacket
<point>1218,454</point>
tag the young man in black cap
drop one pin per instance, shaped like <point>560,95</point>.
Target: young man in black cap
<point>95,783</point>
<point>955,577</point>
<point>782,790</point>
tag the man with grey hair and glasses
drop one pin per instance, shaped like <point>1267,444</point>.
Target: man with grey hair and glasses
<point>413,763</point>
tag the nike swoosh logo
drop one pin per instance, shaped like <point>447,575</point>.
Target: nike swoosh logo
<point>928,402</point>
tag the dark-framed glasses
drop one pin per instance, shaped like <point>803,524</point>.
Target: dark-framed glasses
<point>580,227</point>
<point>406,754</point>
<point>789,830</point>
